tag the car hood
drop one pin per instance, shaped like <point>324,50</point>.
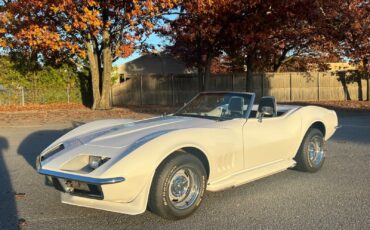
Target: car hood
<point>123,135</point>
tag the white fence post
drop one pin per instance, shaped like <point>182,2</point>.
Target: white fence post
<point>68,96</point>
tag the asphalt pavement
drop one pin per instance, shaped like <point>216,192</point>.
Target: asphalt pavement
<point>336,197</point>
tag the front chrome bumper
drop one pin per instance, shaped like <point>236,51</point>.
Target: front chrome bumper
<point>75,177</point>
<point>77,185</point>
<point>90,180</point>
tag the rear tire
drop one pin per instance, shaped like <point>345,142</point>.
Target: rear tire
<point>178,186</point>
<point>311,154</point>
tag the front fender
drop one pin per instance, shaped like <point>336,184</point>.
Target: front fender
<point>138,166</point>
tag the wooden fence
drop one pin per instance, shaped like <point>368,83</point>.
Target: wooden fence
<point>177,89</point>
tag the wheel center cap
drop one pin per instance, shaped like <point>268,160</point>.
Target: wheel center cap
<point>179,186</point>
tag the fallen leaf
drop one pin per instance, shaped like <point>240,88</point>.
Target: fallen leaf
<point>22,223</point>
<point>19,195</point>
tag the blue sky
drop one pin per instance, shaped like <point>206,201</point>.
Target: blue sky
<point>153,39</point>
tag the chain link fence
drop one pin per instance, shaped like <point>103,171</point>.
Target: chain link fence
<point>23,96</point>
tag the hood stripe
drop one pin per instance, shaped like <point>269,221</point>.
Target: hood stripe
<point>134,131</point>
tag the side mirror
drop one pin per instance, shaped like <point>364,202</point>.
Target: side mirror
<point>265,111</point>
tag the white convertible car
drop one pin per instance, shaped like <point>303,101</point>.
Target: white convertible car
<point>218,140</point>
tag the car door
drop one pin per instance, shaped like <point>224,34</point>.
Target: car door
<point>270,140</point>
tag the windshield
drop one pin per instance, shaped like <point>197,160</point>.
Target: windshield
<point>217,106</point>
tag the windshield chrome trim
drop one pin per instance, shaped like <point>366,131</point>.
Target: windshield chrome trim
<point>185,104</point>
<point>250,107</point>
<point>253,96</point>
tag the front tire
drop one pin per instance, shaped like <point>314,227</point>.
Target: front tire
<point>311,154</point>
<point>178,186</point>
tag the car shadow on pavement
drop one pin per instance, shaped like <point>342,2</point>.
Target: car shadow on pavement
<point>36,142</point>
<point>8,208</point>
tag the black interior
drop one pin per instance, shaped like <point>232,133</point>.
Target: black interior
<point>236,106</point>
<point>270,102</point>
<point>254,113</point>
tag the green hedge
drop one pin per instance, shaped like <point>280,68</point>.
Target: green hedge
<point>42,84</point>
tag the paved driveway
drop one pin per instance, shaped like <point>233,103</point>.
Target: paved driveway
<point>338,196</point>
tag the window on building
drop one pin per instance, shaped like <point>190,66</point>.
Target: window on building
<point>122,78</point>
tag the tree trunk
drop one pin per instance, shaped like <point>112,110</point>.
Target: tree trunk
<point>359,84</point>
<point>342,79</point>
<point>367,88</point>
<point>207,71</point>
<point>250,69</point>
<point>277,64</point>
<point>365,62</point>
<point>200,78</point>
<point>105,102</point>
<point>277,68</point>
<point>94,71</point>
<point>34,86</point>
<point>281,60</point>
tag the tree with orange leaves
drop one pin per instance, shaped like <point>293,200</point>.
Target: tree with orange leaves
<point>249,32</point>
<point>348,35</point>
<point>95,32</point>
<point>198,34</point>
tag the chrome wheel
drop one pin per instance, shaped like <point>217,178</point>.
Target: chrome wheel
<point>316,150</point>
<point>184,188</point>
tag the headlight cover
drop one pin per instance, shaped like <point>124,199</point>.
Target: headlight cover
<point>97,161</point>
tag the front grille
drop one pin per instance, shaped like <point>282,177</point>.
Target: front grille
<point>77,188</point>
